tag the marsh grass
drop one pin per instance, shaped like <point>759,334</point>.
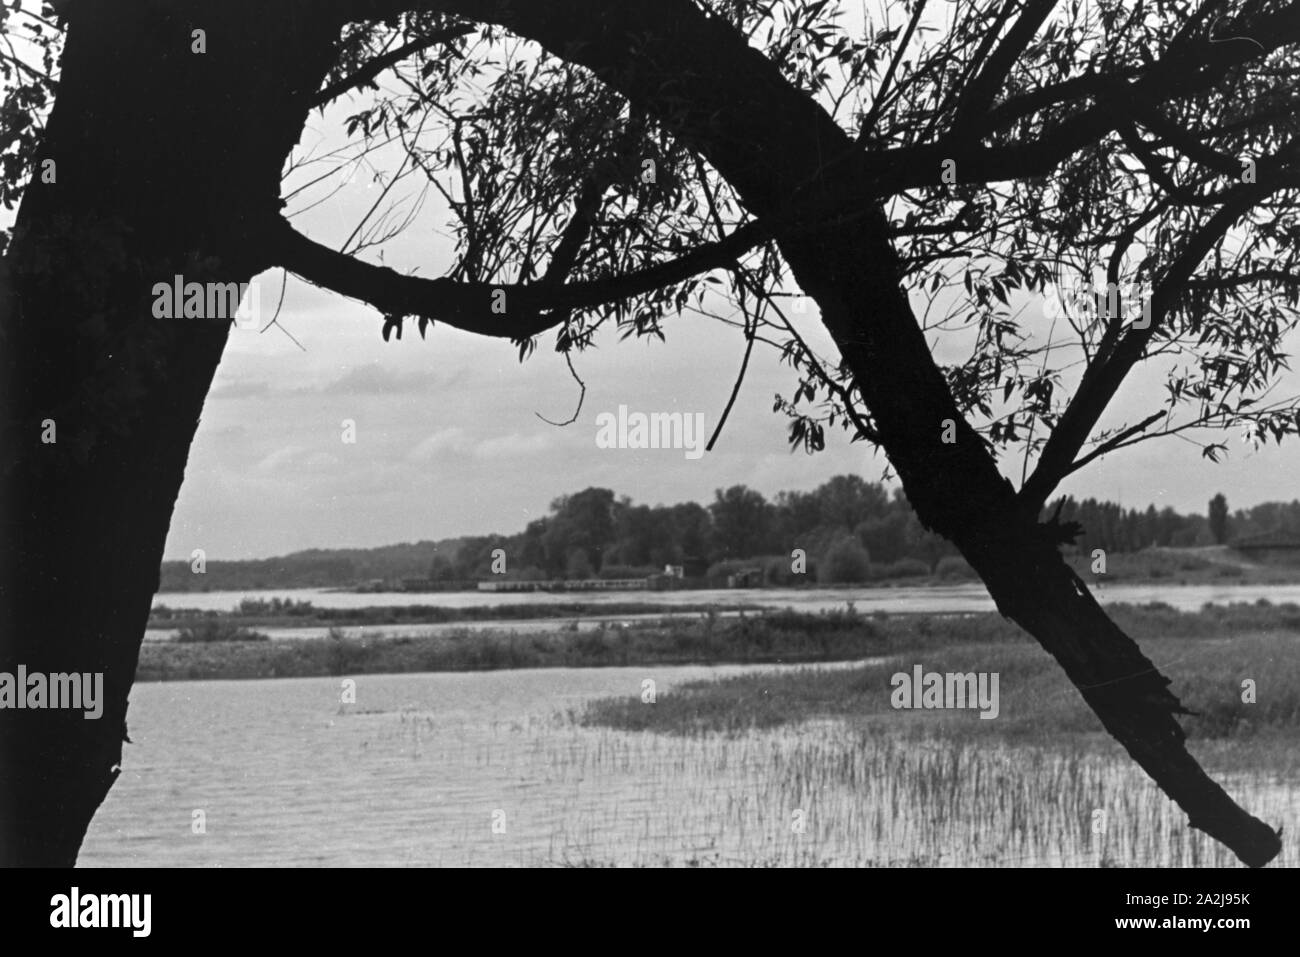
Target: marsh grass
<point>207,632</point>
<point>879,799</point>
<point>709,639</point>
<point>1041,785</point>
<point>1037,702</point>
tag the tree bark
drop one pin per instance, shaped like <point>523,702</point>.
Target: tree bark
<point>166,162</point>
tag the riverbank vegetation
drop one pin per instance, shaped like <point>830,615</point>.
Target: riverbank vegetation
<point>846,530</point>
<point>1217,646</point>
<point>287,613</point>
<point>1235,667</point>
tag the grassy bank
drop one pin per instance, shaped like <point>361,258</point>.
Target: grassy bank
<point>708,639</point>
<point>1036,699</point>
<point>778,636</point>
<point>278,613</point>
<point>1212,565</point>
<point>1207,656</point>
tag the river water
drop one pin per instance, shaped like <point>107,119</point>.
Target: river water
<point>489,768</point>
<point>944,599</point>
<point>938,599</point>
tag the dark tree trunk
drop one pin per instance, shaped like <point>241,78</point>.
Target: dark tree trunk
<point>958,492</point>
<point>166,162</point>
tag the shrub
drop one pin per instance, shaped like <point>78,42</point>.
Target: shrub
<point>954,567</point>
<point>719,571</point>
<point>577,567</point>
<point>343,654</point>
<point>251,607</point>
<point>207,631</point>
<point>777,571</point>
<point>903,568</point>
<point>845,562</point>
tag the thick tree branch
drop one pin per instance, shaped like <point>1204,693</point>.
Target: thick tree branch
<point>372,68</point>
<point>1085,86</point>
<point>499,310</point>
<point>882,92</point>
<point>577,230</point>
<point>1279,276</point>
<point>1186,141</point>
<point>981,91</point>
<point>1117,441</point>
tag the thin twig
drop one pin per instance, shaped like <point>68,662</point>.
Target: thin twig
<point>568,359</point>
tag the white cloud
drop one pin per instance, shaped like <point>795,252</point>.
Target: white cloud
<point>278,459</point>
<point>295,457</point>
<point>451,440</point>
<point>320,460</point>
<point>229,388</point>
<point>512,445</point>
<point>377,379</point>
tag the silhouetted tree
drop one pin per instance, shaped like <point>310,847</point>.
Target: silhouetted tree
<point>970,161</point>
<point>583,522</point>
<point>1219,518</point>
<point>742,522</point>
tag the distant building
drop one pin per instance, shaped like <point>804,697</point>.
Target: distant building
<point>586,584</point>
<point>675,571</point>
<point>501,584</point>
<point>746,578</point>
<point>606,584</point>
<point>693,567</point>
<point>1272,547</point>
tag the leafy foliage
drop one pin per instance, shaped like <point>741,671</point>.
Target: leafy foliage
<point>542,173</point>
<point>28,68</point>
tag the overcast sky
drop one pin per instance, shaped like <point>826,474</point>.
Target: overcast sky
<point>447,436</point>
<point>448,441</point>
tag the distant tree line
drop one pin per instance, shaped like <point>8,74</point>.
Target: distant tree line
<point>1270,517</point>
<point>1109,526</point>
<point>845,530</point>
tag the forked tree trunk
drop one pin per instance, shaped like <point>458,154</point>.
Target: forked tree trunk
<point>164,161</point>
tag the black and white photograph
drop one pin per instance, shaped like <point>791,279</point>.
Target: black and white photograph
<point>650,434</point>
